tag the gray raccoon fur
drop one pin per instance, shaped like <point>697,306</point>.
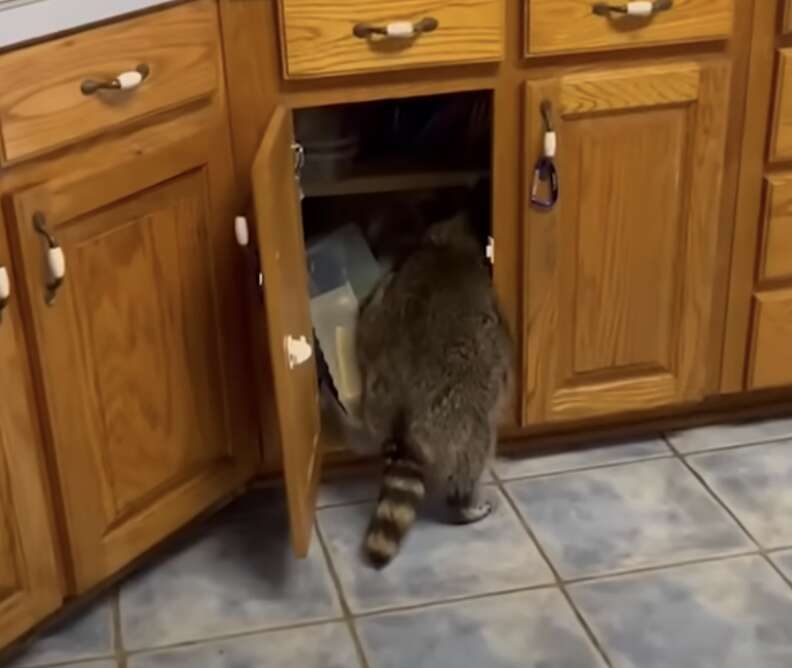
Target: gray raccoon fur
<point>436,364</point>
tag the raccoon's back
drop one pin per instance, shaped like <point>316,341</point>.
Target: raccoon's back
<point>440,324</point>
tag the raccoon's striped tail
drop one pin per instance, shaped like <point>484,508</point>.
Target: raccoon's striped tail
<point>403,489</point>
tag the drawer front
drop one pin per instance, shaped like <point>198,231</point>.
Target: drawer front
<point>781,140</point>
<point>326,37</point>
<point>776,258</point>
<point>45,102</point>
<point>771,362</point>
<point>568,26</point>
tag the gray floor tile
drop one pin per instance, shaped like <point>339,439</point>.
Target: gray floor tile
<point>755,482</point>
<point>354,489</point>
<point>784,561</point>
<point>624,517</point>
<point>726,435</point>
<point>437,562</point>
<point>106,663</point>
<point>727,614</point>
<point>232,577</point>
<point>86,634</point>
<point>600,455</point>
<point>534,629</point>
<point>325,646</point>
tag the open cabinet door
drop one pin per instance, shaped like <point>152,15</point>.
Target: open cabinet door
<point>281,248</point>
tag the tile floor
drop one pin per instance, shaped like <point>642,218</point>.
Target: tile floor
<point>670,552</point>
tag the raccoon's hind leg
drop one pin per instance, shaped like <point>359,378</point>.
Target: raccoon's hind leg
<point>468,507</point>
<point>467,501</point>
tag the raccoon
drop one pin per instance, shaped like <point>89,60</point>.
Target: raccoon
<point>436,364</point>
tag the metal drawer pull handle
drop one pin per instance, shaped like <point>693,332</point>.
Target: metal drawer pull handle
<point>641,8</point>
<point>5,288</point>
<point>124,81</point>
<point>56,260</point>
<point>397,29</point>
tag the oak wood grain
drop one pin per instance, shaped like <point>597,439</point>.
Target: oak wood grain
<point>781,138</point>
<point>30,587</point>
<point>144,421</point>
<point>653,86</point>
<point>776,252</point>
<point>787,18</point>
<point>281,248</point>
<point>318,39</point>
<point>42,106</point>
<point>771,358</point>
<point>619,279</point>
<point>786,24</point>
<point>570,26</point>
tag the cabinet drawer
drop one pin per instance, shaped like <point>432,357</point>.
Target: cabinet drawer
<point>324,37</point>
<point>771,363</point>
<point>781,141</point>
<point>568,26</point>
<point>42,103</point>
<point>776,258</point>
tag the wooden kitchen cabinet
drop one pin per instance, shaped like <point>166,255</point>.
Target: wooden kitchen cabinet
<point>770,363</point>
<point>30,586</point>
<point>569,26</point>
<point>619,278</point>
<point>139,359</point>
<point>324,38</point>
<point>281,249</point>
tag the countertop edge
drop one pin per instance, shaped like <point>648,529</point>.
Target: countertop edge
<point>28,20</point>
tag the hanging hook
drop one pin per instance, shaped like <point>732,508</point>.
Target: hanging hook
<point>545,172</point>
<point>546,109</point>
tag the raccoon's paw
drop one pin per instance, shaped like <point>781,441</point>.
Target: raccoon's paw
<point>483,507</point>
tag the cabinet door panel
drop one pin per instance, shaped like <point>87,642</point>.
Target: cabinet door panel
<point>619,275</point>
<point>142,391</point>
<point>770,361</point>
<point>30,586</point>
<point>282,254</point>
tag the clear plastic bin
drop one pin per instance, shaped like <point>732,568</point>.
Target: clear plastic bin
<point>342,273</point>
<point>342,256</point>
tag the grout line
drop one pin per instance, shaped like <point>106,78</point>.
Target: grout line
<point>762,551</point>
<point>776,550</point>
<point>726,448</point>
<point>232,636</point>
<point>346,610</point>
<point>118,641</point>
<point>660,567</point>
<point>778,570</point>
<point>556,575</point>
<point>715,496</point>
<point>344,504</point>
<point>593,467</point>
<point>410,607</point>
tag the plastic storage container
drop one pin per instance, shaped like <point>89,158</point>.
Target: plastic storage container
<point>342,273</point>
<point>343,256</point>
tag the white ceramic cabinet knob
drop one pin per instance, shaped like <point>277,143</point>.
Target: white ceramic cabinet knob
<point>242,231</point>
<point>5,287</point>
<point>129,80</point>
<point>56,262</point>
<point>298,351</point>
<point>640,8</point>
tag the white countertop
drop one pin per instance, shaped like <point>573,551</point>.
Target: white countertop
<point>25,20</point>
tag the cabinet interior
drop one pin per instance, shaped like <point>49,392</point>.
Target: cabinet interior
<point>386,171</point>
